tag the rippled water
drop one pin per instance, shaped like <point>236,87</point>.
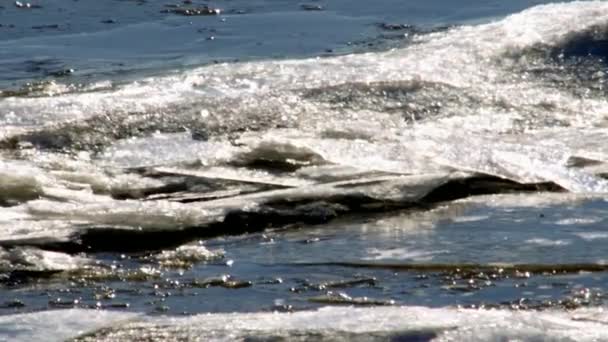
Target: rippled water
<point>447,161</point>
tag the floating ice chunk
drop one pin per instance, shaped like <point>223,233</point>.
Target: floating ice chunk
<point>187,255</point>
<point>37,260</point>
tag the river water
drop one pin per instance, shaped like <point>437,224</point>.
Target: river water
<point>278,170</point>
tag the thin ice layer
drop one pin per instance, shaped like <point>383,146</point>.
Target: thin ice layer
<point>64,221</point>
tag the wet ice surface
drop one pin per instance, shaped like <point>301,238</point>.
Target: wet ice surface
<point>460,167</point>
<point>326,324</point>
